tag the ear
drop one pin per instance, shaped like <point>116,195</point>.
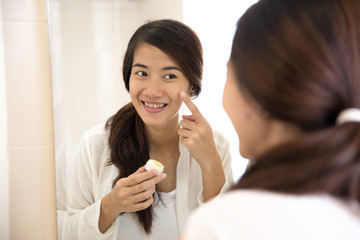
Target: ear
<point>192,91</point>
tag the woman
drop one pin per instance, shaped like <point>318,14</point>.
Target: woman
<point>293,95</point>
<point>110,194</point>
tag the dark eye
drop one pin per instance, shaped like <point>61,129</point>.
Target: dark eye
<point>141,73</point>
<point>170,76</point>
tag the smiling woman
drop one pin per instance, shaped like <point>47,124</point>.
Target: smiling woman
<point>110,195</point>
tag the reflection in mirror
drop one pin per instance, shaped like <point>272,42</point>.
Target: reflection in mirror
<point>88,40</point>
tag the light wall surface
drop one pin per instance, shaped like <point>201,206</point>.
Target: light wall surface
<point>4,161</point>
<point>29,120</point>
<point>216,28</point>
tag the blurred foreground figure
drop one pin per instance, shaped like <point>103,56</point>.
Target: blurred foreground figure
<point>293,95</point>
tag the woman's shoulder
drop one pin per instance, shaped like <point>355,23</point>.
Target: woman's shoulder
<point>246,199</point>
<point>250,209</point>
<point>94,147</point>
<point>95,139</point>
<point>219,139</point>
<point>268,201</point>
<point>217,134</point>
<point>96,133</point>
<point>96,130</point>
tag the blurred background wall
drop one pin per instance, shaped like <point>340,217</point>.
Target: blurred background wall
<point>27,149</point>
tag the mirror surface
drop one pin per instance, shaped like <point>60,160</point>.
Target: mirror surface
<point>88,39</point>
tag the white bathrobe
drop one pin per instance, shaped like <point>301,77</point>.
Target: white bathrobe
<point>258,215</point>
<point>87,178</point>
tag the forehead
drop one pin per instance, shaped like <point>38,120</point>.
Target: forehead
<point>150,55</point>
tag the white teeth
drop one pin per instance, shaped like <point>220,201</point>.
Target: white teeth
<point>150,105</point>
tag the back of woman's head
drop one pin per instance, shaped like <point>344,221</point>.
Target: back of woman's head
<point>175,39</point>
<point>299,60</point>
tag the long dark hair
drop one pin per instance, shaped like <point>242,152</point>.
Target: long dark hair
<point>299,60</point>
<point>128,142</point>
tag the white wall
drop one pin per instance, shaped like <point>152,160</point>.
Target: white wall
<point>29,120</point>
<point>4,164</point>
<point>215,22</point>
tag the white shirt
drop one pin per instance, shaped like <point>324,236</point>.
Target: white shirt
<point>164,226</point>
<point>252,214</point>
<point>87,178</point>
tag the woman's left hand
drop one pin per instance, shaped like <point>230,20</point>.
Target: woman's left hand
<point>196,135</point>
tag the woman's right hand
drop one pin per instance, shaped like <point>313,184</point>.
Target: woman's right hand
<point>130,194</point>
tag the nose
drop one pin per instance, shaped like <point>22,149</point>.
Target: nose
<point>153,88</point>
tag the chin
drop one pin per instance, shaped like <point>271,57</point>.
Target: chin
<point>152,123</point>
<point>244,153</point>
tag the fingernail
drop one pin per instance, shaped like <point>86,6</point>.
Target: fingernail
<point>182,94</point>
<point>154,171</point>
<point>163,175</point>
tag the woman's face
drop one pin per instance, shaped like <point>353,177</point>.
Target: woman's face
<point>250,126</point>
<point>257,130</point>
<point>156,81</point>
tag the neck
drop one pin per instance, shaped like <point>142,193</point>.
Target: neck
<point>164,147</point>
<point>163,138</point>
<point>279,132</point>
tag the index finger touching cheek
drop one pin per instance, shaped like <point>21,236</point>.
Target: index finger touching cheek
<point>192,107</point>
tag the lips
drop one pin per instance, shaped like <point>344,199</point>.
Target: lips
<point>154,107</point>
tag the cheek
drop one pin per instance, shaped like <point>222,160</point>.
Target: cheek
<point>231,103</point>
<point>226,100</point>
<point>133,88</point>
<point>183,85</point>
<point>175,95</point>
<point>175,90</point>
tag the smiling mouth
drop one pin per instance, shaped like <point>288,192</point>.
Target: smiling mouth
<point>154,105</point>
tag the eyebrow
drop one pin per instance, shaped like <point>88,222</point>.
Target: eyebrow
<point>171,68</point>
<point>139,65</point>
<point>164,68</point>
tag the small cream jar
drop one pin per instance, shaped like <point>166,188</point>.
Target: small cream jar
<point>153,164</point>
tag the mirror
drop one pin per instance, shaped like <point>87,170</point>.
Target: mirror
<point>88,39</point>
